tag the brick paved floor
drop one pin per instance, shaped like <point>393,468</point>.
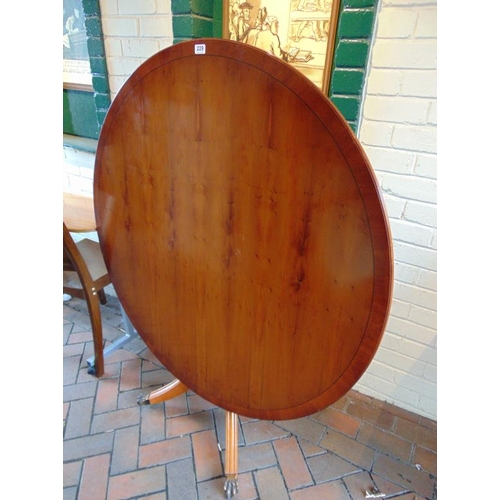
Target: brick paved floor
<point>115,449</point>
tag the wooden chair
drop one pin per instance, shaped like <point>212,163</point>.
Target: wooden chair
<point>85,276</point>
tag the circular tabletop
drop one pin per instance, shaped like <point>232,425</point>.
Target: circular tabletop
<point>243,229</point>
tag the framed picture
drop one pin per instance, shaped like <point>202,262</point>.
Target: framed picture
<point>76,62</point>
<point>301,32</point>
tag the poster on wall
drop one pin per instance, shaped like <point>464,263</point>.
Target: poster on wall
<point>76,63</point>
<point>300,32</point>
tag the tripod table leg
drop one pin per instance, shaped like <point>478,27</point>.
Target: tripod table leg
<point>169,391</point>
<point>231,485</point>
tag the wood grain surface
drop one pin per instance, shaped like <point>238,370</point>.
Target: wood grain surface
<point>243,229</point>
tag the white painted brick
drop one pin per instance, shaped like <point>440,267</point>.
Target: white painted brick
<point>427,406</point>
<point>422,213</point>
<point>409,187</point>
<point>426,165</point>
<point>427,279</point>
<point>140,47</point>
<point>400,309</point>
<point>165,42</point>
<point>415,138</point>
<point>385,82</point>
<point>417,256</point>
<point>423,316</point>
<point>109,7</point>
<point>164,6</point>
<point>406,273</point>
<point>376,133</point>
<point>396,109</point>
<point>375,386</point>
<point>415,295</point>
<point>432,116</point>
<point>410,54</point>
<point>395,207</point>
<point>391,341</point>
<point>156,26</point>
<point>130,64</point>
<point>418,350</point>
<point>397,23</point>
<point>399,361</point>
<point>416,384</point>
<point>136,8</point>
<point>113,47</point>
<point>120,26</point>
<point>427,23</point>
<point>419,83</point>
<point>406,3</point>
<point>434,240</point>
<point>410,232</point>
<point>116,83</point>
<point>391,160</point>
<point>418,334</point>
<point>430,373</point>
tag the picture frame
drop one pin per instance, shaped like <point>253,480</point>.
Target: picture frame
<point>76,62</point>
<point>300,32</point>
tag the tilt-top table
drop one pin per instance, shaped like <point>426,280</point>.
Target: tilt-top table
<point>244,232</point>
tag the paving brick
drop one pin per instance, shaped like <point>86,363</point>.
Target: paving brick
<point>270,484</point>
<point>71,365</point>
<point>197,403</point>
<point>304,428</point>
<point>176,407</point>
<point>214,488</point>
<point>79,418</point>
<point>309,449</point>
<point>349,449</point>
<point>164,451</point>
<point>338,420</point>
<point>180,426</point>
<point>152,423</point>
<point>115,420</point>
<point>206,455</point>
<point>181,480</point>
<point>358,484</point>
<point>125,450</point>
<point>79,391</point>
<point>426,459</point>
<point>425,437</point>
<point>131,375</point>
<point>384,441</point>
<point>95,444</point>
<point>408,476</point>
<point>94,482</point>
<point>370,413</point>
<point>256,456</point>
<point>335,490</point>
<point>329,467</point>
<point>71,473</point>
<point>260,431</point>
<point>292,463</point>
<point>137,483</point>
<point>107,395</point>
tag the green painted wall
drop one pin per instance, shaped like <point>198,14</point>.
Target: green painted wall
<point>84,112</point>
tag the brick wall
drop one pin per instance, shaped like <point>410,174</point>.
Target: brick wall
<point>133,31</point>
<point>398,132</point>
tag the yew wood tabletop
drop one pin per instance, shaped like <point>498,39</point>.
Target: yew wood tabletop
<point>243,229</point>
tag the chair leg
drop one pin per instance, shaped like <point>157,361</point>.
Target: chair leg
<point>102,297</point>
<point>95,319</point>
